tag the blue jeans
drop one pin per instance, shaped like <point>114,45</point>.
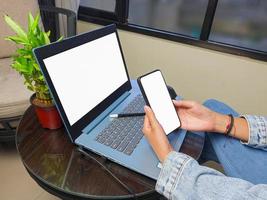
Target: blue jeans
<point>238,160</point>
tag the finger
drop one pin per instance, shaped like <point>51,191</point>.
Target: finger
<point>151,117</point>
<point>184,104</point>
<point>147,126</point>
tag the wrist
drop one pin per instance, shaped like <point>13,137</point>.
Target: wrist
<point>220,123</point>
<point>166,153</point>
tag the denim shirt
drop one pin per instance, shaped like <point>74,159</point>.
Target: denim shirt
<point>181,176</point>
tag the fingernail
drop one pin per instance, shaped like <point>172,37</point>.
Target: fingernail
<point>146,108</point>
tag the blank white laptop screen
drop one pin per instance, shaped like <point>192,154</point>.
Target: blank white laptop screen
<point>85,75</point>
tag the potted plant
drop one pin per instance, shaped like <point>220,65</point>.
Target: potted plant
<point>24,62</point>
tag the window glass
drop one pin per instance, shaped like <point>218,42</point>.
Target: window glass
<point>242,23</point>
<point>178,16</point>
<point>99,4</point>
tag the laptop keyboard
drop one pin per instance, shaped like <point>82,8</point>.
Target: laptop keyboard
<point>123,134</point>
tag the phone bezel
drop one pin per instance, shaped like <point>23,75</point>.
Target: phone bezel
<point>145,97</point>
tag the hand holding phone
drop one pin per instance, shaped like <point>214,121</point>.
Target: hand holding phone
<point>156,95</point>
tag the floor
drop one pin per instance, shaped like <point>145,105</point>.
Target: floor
<point>15,182</point>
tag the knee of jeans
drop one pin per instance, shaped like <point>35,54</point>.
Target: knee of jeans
<point>219,106</point>
<point>212,102</point>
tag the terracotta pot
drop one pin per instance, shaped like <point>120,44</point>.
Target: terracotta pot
<point>48,116</point>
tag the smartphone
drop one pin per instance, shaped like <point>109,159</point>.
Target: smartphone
<point>156,95</point>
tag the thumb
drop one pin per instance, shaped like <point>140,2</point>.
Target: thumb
<point>151,116</point>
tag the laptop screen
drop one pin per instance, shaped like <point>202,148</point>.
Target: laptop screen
<point>87,74</point>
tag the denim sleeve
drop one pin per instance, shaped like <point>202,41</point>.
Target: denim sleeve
<point>257,131</point>
<point>181,177</point>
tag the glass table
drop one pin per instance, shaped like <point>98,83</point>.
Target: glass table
<point>62,169</point>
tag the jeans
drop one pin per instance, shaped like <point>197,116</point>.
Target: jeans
<point>238,160</point>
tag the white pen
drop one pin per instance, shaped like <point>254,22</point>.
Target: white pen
<point>126,115</point>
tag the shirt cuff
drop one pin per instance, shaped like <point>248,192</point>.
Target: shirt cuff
<point>246,118</point>
<point>171,172</point>
<point>257,130</point>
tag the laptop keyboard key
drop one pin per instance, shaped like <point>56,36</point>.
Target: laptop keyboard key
<point>123,134</point>
<point>129,151</point>
<point>122,146</point>
<point>108,142</point>
<point>101,140</point>
<point>115,144</point>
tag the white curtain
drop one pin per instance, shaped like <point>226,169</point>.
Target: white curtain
<point>68,4</point>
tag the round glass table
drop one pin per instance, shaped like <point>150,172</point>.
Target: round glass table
<point>62,169</point>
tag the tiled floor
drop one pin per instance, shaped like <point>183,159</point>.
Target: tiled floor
<point>15,182</point>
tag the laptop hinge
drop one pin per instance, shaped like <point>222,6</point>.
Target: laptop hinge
<point>100,117</point>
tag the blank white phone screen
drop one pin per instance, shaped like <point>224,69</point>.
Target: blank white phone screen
<point>160,101</point>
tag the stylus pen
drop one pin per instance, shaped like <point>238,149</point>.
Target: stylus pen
<point>126,115</point>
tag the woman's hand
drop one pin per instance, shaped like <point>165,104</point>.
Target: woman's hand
<point>156,135</point>
<point>196,117</point>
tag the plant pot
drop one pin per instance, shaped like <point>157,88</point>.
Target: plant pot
<point>47,115</point>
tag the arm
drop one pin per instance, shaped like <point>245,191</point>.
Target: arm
<point>183,178</point>
<point>195,117</point>
<point>252,130</point>
<point>240,128</point>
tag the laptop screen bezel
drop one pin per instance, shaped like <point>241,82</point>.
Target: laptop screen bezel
<point>44,52</point>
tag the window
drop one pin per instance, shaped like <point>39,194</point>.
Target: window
<point>233,26</point>
<point>241,23</point>
<point>99,4</point>
<point>177,16</point>
<point>108,10</point>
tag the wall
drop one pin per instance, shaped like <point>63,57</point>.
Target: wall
<point>197,73</point>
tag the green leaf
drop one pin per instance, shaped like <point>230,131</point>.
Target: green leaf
<point>59,39</point>
<point>24,52</point>
<point>41,78</point>
<point>35,23</point>
<point>28,85</point>
<point>46,38</point>
<point>40,38</point>
<point>21,65</point>
<point>17,40</point>
<point>27,56</point>
<point>34,42</point>
<point>28,82</point>
<point>15,27</point>
<point>48,33</point>
<point>36,66</point>
<point>30,21</point>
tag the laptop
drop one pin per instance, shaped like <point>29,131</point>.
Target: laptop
<point>88,79</point>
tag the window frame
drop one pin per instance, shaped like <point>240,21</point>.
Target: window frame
<point>119,15</point>
<point>120,18</point>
